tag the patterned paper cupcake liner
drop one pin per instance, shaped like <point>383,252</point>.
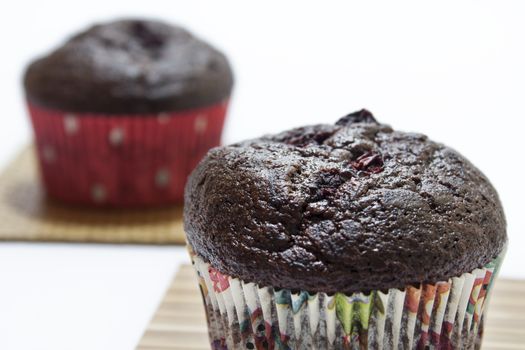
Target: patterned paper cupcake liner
<point>123,160</point>
<point>444,315</point>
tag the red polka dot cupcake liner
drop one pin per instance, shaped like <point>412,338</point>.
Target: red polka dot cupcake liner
<point>123,160</point>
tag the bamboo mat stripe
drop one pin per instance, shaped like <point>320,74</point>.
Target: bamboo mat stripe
<point>180,324</point>
<point>27,215</point>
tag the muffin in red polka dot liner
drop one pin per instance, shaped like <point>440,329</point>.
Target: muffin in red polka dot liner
<point>124,111</point>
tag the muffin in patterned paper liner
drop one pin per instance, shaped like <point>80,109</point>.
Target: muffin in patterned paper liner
<point>442,315</point>
<point>123,111</point>
<point>345,236</point>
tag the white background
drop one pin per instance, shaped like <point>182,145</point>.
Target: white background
<point>453,70</point>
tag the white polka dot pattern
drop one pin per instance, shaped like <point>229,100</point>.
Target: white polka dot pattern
<point>70,124</point>
<point>163,118</point>
<point>123,160</point>
<point>98,192</point>
<point>49,154</point>
<point>116,136</point>
<point>162,178</point>
<point>201,123</point>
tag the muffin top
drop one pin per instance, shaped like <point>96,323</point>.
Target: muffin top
<point>354,206</point>
<point>130,67</point>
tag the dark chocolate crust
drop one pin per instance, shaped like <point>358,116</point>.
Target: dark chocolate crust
<point>130,67</point>
<point>349,207</point>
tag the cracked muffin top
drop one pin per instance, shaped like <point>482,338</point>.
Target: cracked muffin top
<point>355,206</point>
<point>130,66</point>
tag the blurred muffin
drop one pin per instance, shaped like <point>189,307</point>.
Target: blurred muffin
<point>343,236</point>
<point>123,111</point>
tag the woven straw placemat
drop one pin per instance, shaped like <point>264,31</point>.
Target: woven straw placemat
<point>180,323</point>
<point>27,215</point>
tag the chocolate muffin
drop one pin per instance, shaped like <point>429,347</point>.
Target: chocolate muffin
<point>146,98</point>
<point>130,67</point>
<point>386,231</point>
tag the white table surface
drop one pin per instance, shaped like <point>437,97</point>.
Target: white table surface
<point>81,296</point>
<point>452,70</point>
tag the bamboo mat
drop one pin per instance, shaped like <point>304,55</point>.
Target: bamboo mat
<point>180,324</point>
<point>27,215</point>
